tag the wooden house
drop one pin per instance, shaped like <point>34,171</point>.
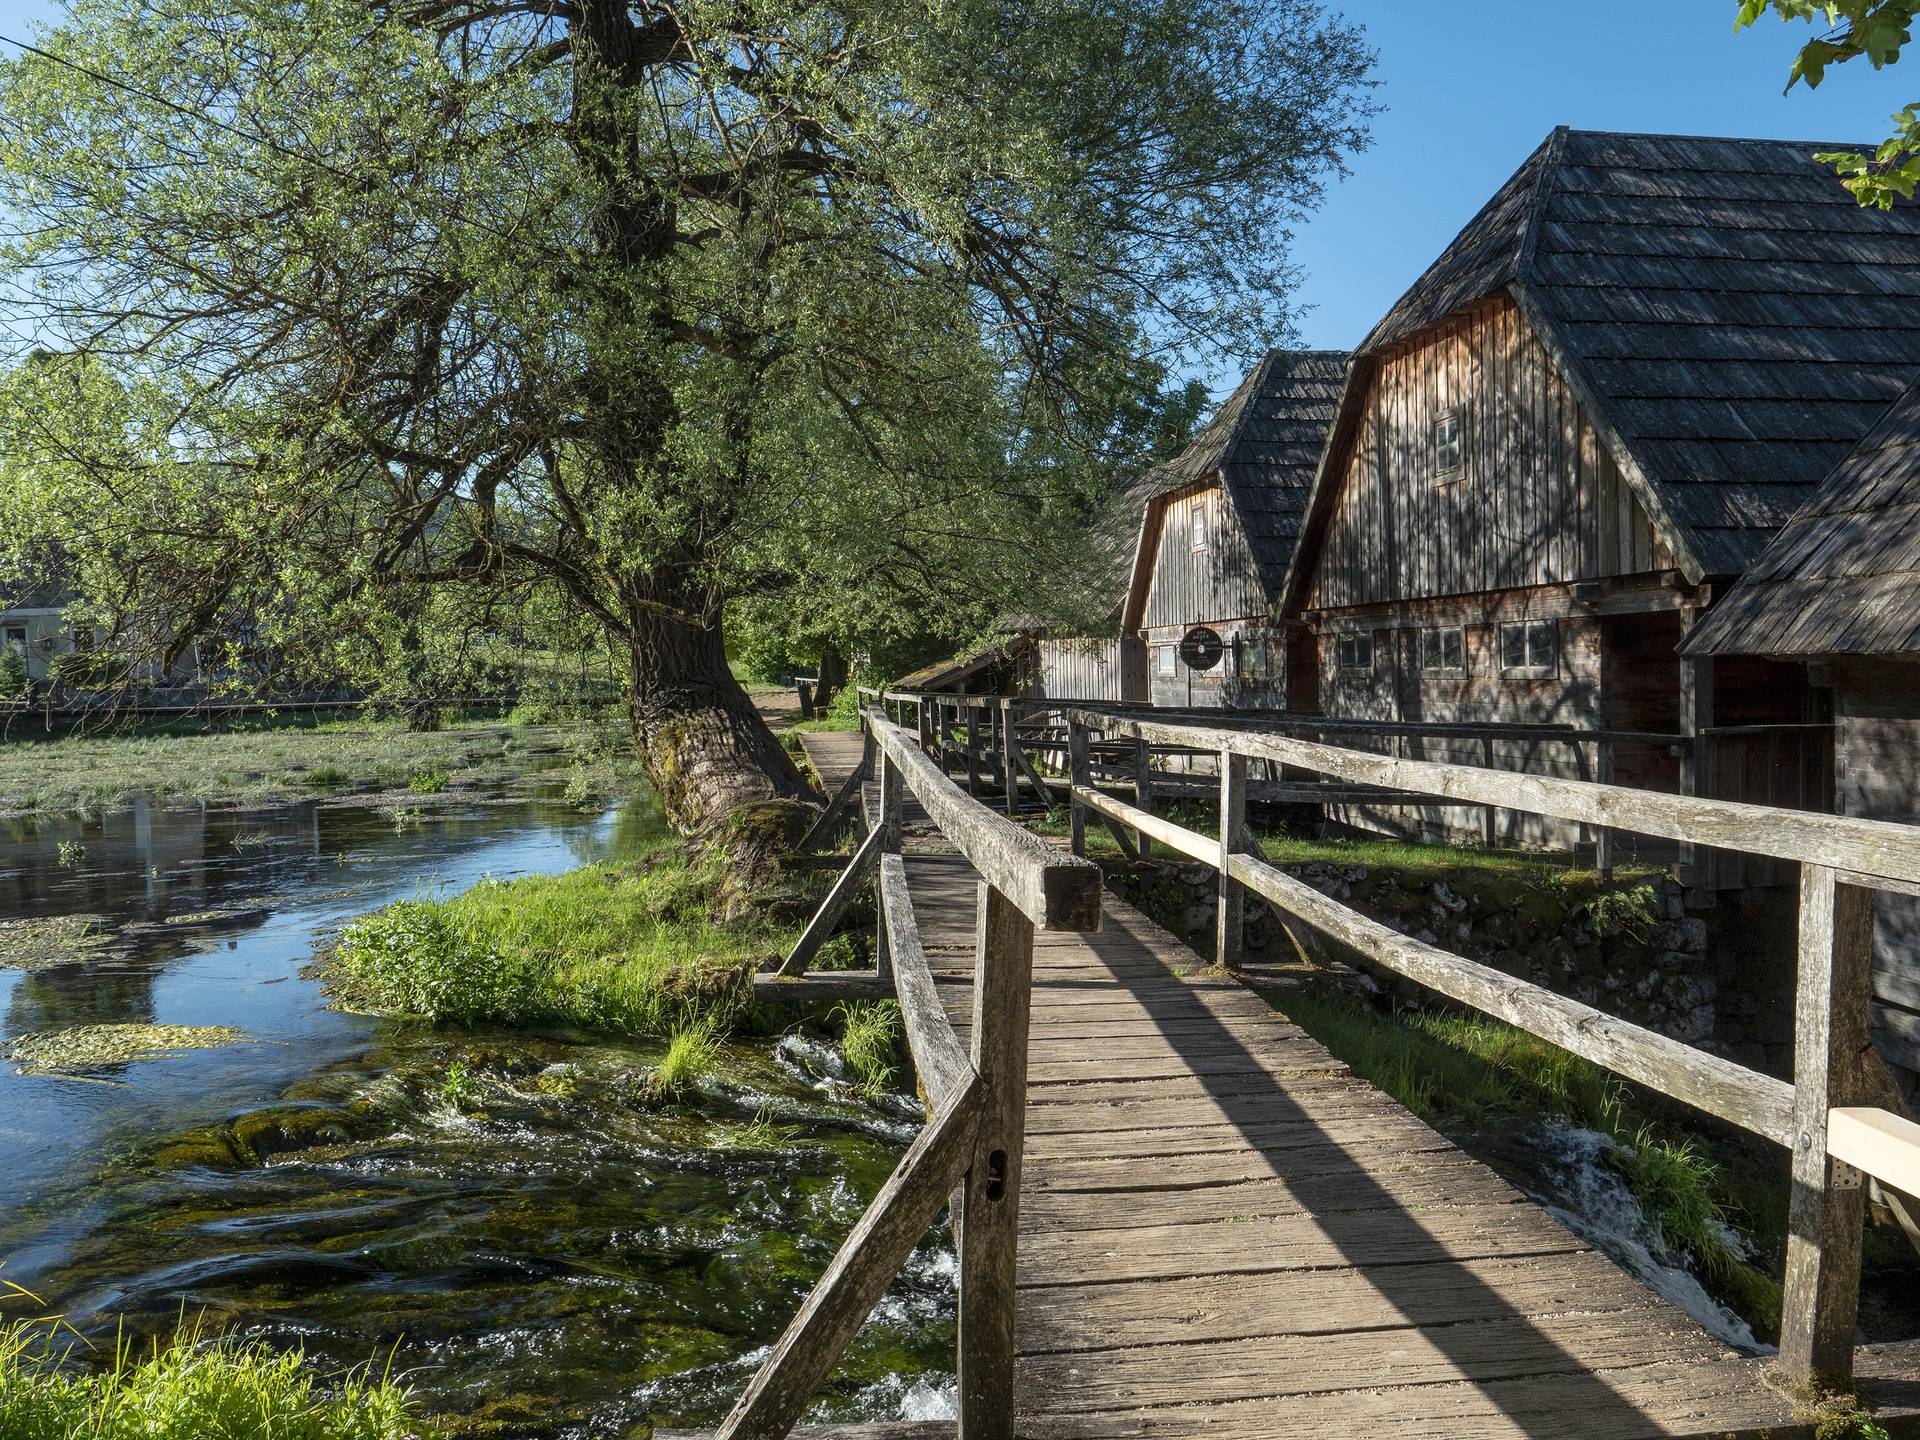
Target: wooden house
<point>1596,406</point>
<point>1838,592</point>
<point>1217,529</point>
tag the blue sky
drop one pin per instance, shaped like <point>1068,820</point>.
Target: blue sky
<point>1471,89</point>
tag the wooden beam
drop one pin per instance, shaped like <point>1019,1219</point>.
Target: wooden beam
<point>1176,837</point>
<point>1878,1143</point>
<point>1719,1087</point>
<point>830,819</point>
<point>858,1276</point>
<point>989,1219</point>
<point>1826,1209</point>
<point>1871,848</point>
<point>833,907</point>
<point>821,986</point>
<point>938,1057</point>
<point>892,801</point>
<point>1055,891</point>
<point>1230,920</point>
<point>1143,790</point>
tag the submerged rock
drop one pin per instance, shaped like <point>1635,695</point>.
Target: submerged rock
<point>87,1047</point>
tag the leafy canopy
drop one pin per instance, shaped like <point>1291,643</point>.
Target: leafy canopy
<point>846,303</point>
<point>1877,30</point>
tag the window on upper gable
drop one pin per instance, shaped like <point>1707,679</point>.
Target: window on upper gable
<point>1197,522</point>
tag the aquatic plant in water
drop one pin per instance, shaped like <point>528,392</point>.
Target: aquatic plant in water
<point>690,1058</point>
<point>869,1035</point>
<point>88,1047</point>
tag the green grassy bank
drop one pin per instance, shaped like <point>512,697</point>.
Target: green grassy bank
<point>195,1388</point>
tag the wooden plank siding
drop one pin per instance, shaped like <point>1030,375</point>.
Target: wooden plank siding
<point>1538,500</point>
<point>1217,585</point>
<point>1090,669</point>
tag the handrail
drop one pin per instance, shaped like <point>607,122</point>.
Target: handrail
<point>976,1100</point>
<point>1054,891</point>
<point>1824,1118</point>
<point>1868,848</point>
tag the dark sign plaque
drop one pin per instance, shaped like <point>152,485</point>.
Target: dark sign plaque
<point>1200,648</point>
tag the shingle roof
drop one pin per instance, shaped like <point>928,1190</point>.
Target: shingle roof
<point>1739,320</point>
<point>1264,440</point>
<point>1843,577</point>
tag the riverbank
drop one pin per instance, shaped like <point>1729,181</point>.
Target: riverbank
<point>354,761</point>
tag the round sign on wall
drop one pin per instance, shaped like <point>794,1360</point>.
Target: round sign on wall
<point>1200,648</point>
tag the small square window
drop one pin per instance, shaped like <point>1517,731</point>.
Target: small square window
<point>1446,445</point>
<point>1254,656</point>
<point>1197,523</point>
<point>14,637</point>
<point>1444,650</point>
<point>1529,647</point>
<point>1354,652</point>
<point>1163,661</point>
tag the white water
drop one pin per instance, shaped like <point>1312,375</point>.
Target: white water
<point>1583,1191</point>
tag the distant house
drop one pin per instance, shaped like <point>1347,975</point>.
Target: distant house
<point>1838,592</point>
<point>1589,415</point>
<point>33,626</point>
<point>1218,526</point>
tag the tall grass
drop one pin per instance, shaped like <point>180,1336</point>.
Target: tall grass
<point>692,1055</point>
<point>630,949</point>
<point>869,1039</point>
<point>192,1387</point>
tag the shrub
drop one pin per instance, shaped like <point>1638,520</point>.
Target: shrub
<point>427,782</point>
<point>13,673</point>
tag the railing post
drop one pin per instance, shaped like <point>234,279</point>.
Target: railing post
<point>1233,819</point>
<point>973,749</point>
<point>1832,1055</point>
<point>1079,774</point>
<point>944,740</point>
<point>1143,789</point>
<point>1603,837</point>
<point>892,800</point>
<point>989,1230</point>
<point>1488,818</point>
<point>1009,770</point>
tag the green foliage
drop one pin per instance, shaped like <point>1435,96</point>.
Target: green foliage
<point>460,1088</point>
<point>869,1037</point>
<point>631,949</point>
<point>483,322</point>
<point>13,673</point>
<point>72,853</point>
<point>692,1055</point>
<point>427,782</point>
<point>1877,30</point>
<point>1623,912</point>
<point>191,1388</point>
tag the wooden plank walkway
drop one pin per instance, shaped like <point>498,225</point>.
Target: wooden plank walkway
<point>1225,1233</point>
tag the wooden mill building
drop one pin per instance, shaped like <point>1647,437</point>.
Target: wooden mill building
<point>1583,422</point>
<point>1838,593</point>
<point>1218,528</point>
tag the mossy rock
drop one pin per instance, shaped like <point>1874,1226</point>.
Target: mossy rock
<point>211,1148</point>
<point>89,1047</point>
<point>263,1134</point>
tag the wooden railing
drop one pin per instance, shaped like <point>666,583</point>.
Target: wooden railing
<point>1832,1118</point>
<point>970,1147</point>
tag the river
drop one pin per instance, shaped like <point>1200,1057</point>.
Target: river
<point>500,1217</point>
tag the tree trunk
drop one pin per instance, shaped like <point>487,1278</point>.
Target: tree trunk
<point>720,773</point>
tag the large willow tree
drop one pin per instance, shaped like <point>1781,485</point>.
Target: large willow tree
<point>663,303</point>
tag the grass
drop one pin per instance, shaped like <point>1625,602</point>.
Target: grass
<point>82,772</point>
<point>1465,1070</point>
<point>693,1055</point>
<point>869,1040</point>
<point>631,949</point>
<point>192,1387</point>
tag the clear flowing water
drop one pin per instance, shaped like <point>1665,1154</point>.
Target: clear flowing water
<point>538,1250</point>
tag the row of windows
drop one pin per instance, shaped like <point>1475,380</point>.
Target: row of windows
<point>1528,648</point>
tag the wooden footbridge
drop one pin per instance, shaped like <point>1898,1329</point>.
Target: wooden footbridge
<point>1179,1215</point>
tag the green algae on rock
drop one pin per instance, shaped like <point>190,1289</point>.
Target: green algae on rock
<point>88,1047</point>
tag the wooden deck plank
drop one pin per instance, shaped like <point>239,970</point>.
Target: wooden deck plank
<point>1225,1233</point>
